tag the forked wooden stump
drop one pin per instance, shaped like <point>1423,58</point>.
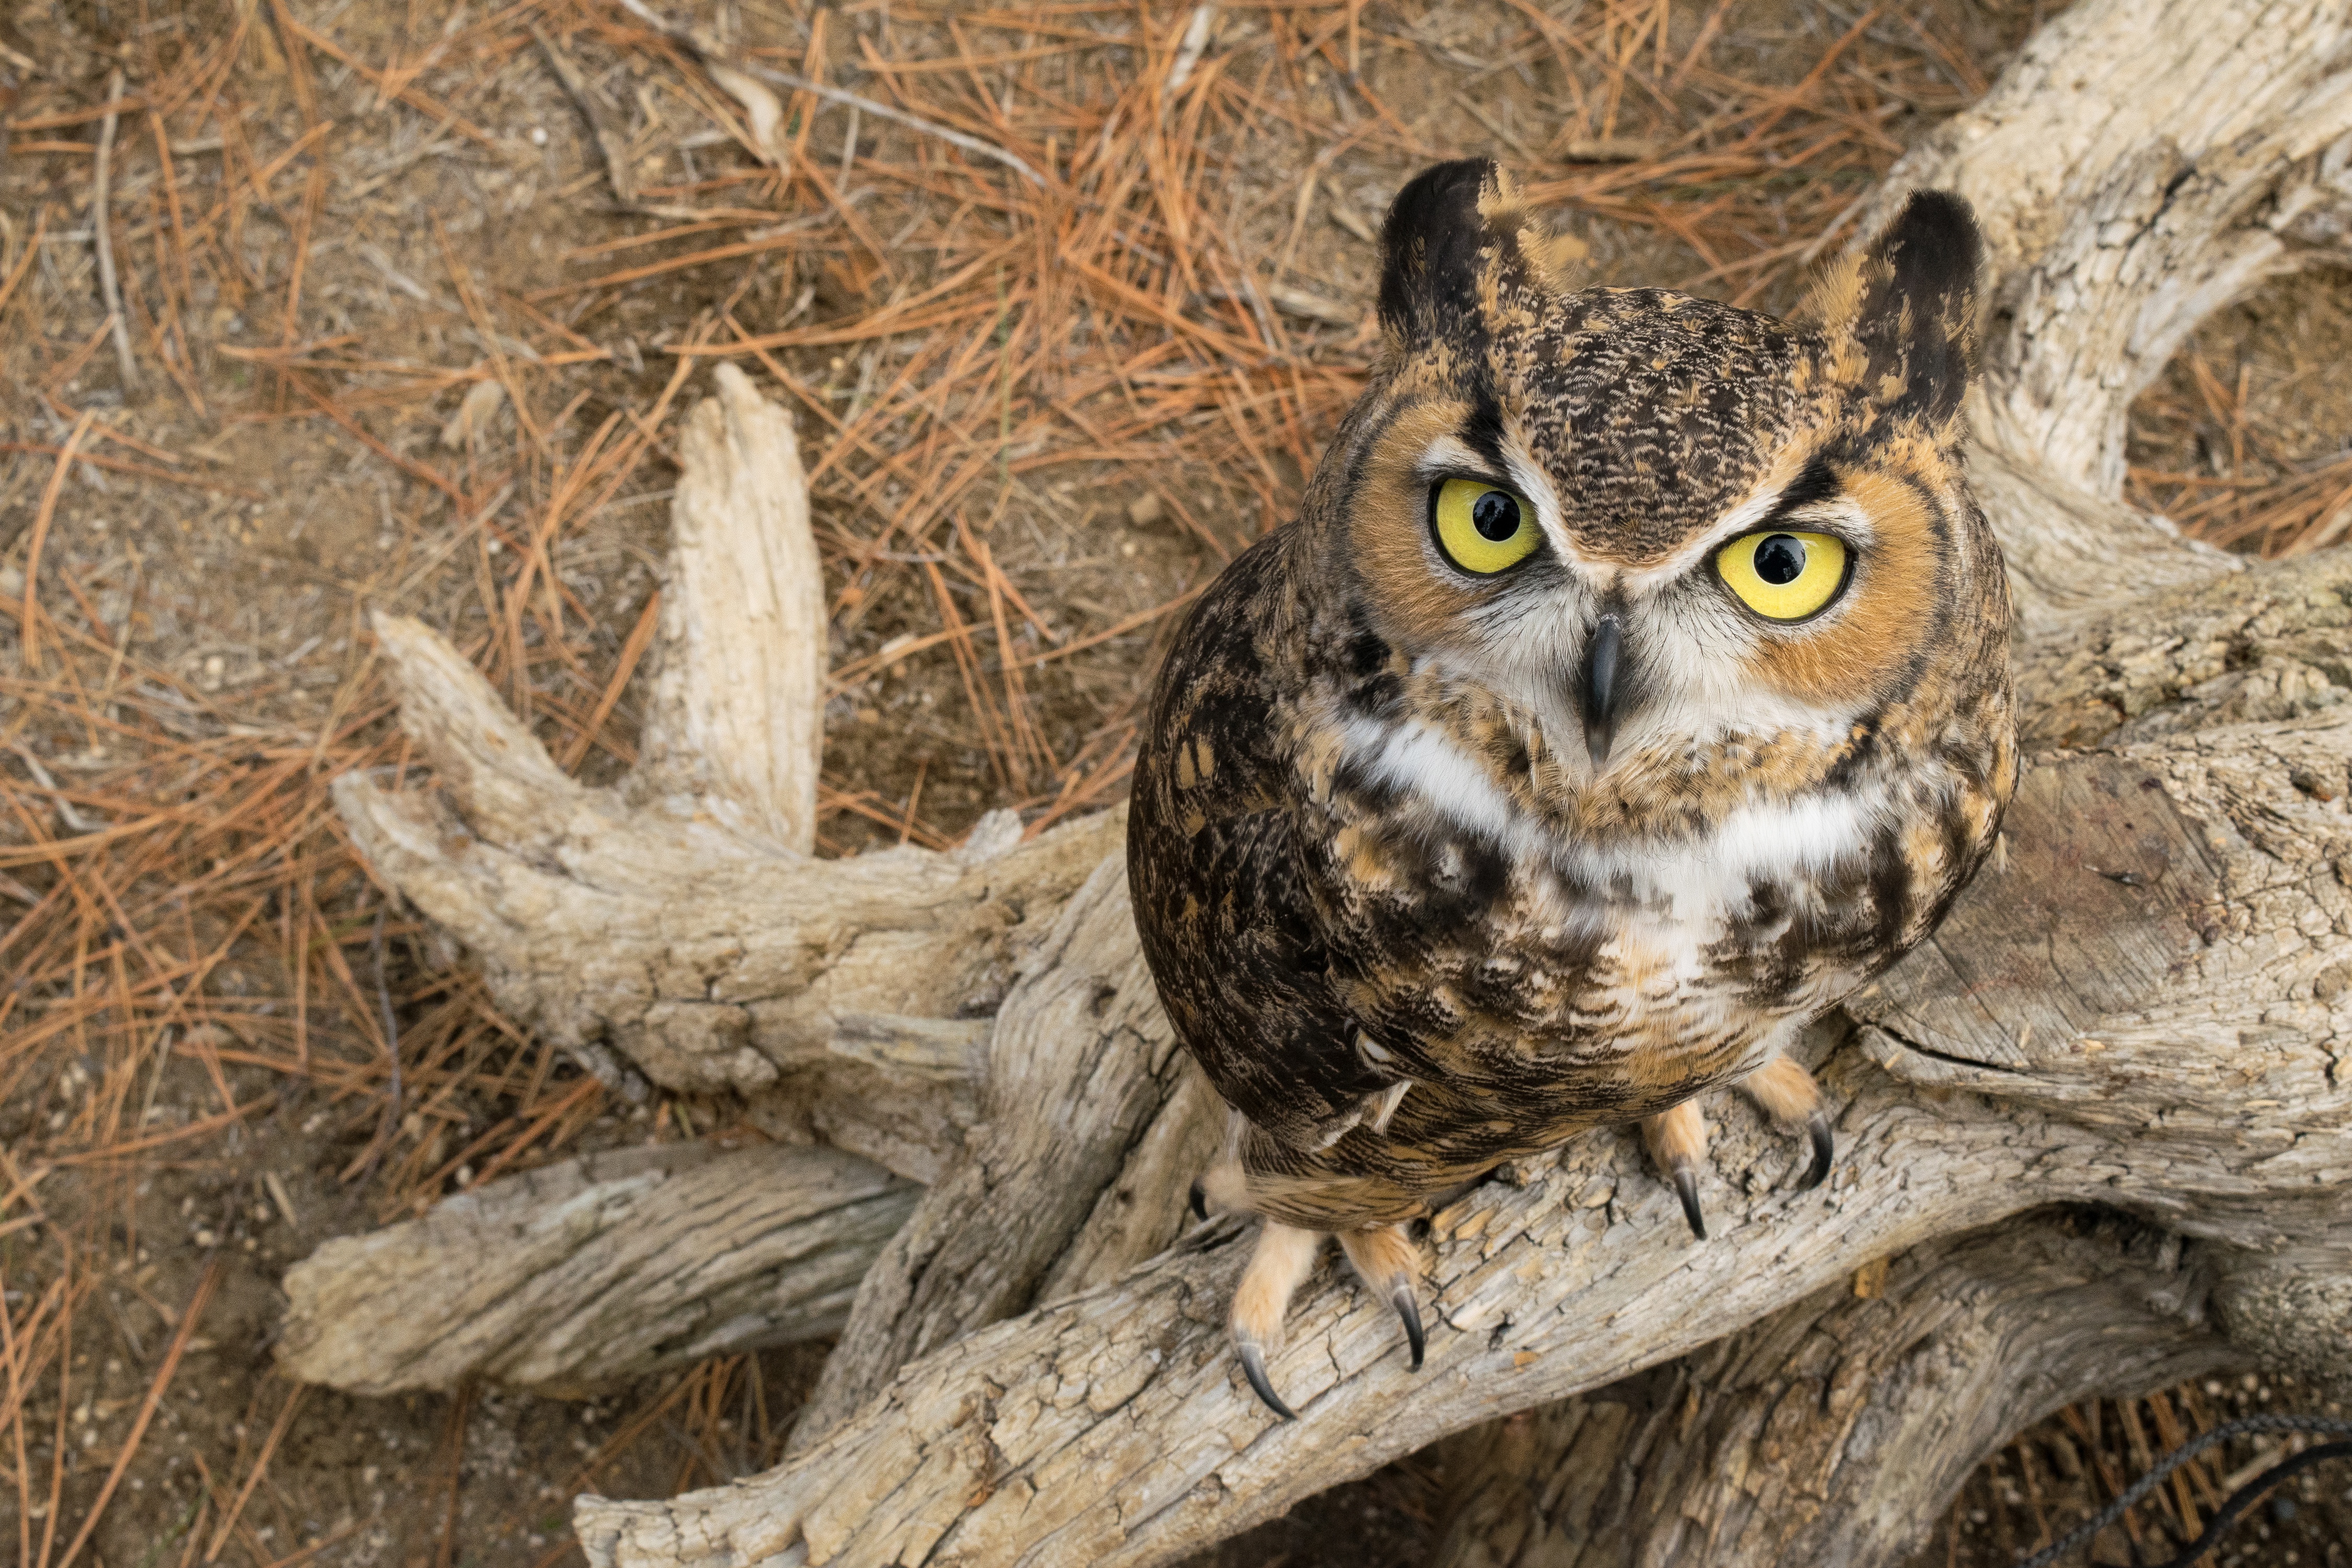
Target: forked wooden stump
<point>2143,1011</point>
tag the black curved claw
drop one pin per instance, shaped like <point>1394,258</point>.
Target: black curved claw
<point>1687,1189</point>
<point>1825,1149</point>
<point>1199,1201</point>
<point>1253,1366</point>
<point>1409,1310</point>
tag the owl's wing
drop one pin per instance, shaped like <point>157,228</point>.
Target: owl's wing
<point>1220,867</point>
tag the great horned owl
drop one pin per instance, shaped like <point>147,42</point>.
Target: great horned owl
<point>1631,687</point>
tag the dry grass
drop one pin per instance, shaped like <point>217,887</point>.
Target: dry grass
<point>1039,413</point>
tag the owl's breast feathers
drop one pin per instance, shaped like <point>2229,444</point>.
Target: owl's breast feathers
<point>1349,871</point>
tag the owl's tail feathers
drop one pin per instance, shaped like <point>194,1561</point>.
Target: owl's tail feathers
<point>1788,1094</point>
<point>1387,1261</point>
<point>1678,1142</point>
<point>1284,1253</point>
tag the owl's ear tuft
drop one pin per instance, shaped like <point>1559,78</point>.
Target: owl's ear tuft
<point>1902,315</point>
<point>1455,235</point>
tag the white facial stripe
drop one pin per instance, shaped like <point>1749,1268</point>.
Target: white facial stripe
<point>1448,454</point>
<point>1451,454</point>
<point>1420,761</point>
<point>1530,480</point>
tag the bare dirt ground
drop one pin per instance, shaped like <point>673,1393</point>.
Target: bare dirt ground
<point>399,330</point>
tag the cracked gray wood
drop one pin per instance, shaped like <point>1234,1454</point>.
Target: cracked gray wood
<point>1823,1434</point>
<point>1057,1127</point>
<point>594,1270</point>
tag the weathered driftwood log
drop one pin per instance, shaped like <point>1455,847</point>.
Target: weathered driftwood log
<point>2146,1010</point>
<point>665,936</point>
<point>611,1265</point>
<point>1825,1433</point>
<point>676,924</point>
<point>1080,1068</point>
<point>2142,164</point>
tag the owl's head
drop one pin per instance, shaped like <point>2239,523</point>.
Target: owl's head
<point>1652,518</point>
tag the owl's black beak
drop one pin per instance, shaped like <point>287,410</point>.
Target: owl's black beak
<point>1600,692</point>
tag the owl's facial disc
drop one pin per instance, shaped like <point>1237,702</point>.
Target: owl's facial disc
<point>1650,523</point>
<point>1795,603</point>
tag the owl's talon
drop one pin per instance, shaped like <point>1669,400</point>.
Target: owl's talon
<point>1284,1253</point>
<point>1197,1200</point>
<point>1788,1094</point>
<point>1254,1368</point>
<point>1386,1260</point>
<point>1409,1310</point>
<point>1817,1126</point>
<point>1687,1189</point>
<point>1677,1140</point>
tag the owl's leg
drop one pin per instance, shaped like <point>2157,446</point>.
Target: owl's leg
<point>1387,1261</point>
<point>1284,1253</point>
<point>1677,1141</point>
<point>1787,1093</point>
<point>1224,1187</point>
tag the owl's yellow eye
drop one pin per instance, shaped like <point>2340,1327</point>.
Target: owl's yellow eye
<point>1482,528</point>
<point>1784,576</point>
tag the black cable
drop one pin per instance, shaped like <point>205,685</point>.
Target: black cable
<point>2244,1497</point>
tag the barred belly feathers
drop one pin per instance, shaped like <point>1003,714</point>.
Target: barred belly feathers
<point>1631,687</point>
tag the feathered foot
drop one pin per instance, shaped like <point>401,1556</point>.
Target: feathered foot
<point>1678,1142</point>
<point>1387,1261</point>
<point>1284,1253</point>
<point>1787,1093</point>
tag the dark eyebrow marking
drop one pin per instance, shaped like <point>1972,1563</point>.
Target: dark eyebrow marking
<point>1483,431</point>
<point>1817,481</point>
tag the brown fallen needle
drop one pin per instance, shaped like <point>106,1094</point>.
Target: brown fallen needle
<point>102,228</point>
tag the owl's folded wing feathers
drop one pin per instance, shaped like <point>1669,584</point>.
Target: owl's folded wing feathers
<point>1220,874</point>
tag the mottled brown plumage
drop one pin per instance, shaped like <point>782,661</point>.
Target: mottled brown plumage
<point>1439,861</point>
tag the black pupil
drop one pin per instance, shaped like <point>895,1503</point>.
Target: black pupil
<point>1496,516</point>
<point>1781,558</point>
